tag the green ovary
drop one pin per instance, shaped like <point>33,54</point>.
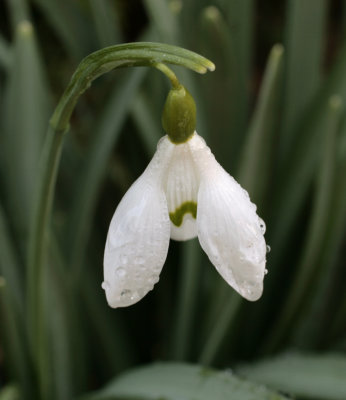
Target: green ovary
<point>178,215</point>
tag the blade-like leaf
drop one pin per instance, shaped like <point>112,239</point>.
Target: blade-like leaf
<point>106,23</point>
<point>298,173</point>
<point>308,270</point>
<point>227,38</point>
<point>25,119</point>
<point>149,128</point>
<point>258,150</point>
<point>240,16</point>
<point>187,300</point>
<point>5,54</point>
<point>9,266</point>
<point>182,382</point>
<point>19,11</point>
<point>162,19</point>
<point>9,392</point>
<point>304,45</point>
<point>317,377</point>
<point>70,25</point>
<point>14,343</point>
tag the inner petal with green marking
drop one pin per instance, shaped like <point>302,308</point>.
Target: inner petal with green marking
<point>181,187</point>
<point>178,215</point>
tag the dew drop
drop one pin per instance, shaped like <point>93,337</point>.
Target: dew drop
<point>105,285</point>
<point>134,296</point>
<point>262,225</point>
<point>125,292</point>
<point>120,272</point>
<point>265,271</point>
<point>268,248</point>
<point>153,279</point>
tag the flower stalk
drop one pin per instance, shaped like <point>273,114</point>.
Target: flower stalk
<point>96,64</point>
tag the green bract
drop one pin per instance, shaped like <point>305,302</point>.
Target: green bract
<point>179,115</point>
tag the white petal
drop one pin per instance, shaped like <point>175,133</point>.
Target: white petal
<point>181,190</point>
<point>138,236</point>
<point>229,230</point>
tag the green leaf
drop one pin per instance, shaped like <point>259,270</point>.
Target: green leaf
<point>240,16</point>
<point>9,266</point>
<point>70,25</point>
<point>149,128</point>
<point>317,377</point>
<point>5,54</point>
<point>163,20</point>
<point>336,234</point>
<point>10,392</point>
<point>189,284</point>
<point>58,339</point>
<point>227,38</point>
<point>106,23</point>
<point>304,45</point>
<point>14,342</point>
<point>26,111</point>
<point>317,324</point>
<point>258,149</point>
<point>299,171</point>
<point>19,12</point>
<point>175,381</point>
<point>307,269</point>
<point>226,314</point>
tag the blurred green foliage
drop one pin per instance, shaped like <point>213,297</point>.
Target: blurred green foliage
<point>273,113</point>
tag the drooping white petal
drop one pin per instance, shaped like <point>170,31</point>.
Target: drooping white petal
<point>181,185</point>
<point>229,230</point>
<point>138,236</point>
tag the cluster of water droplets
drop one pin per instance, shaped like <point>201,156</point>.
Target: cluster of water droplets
<point>132,278</point>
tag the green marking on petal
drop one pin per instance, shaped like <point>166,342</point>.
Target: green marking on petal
<point>178,215</point>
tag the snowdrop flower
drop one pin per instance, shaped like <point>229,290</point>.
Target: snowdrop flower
<point>183,193</point>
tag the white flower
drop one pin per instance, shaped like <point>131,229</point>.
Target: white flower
<point>183,193</point>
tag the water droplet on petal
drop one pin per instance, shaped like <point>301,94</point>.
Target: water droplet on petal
<point>125,292</point>
<point>105,285</point>
<point>153,279</point>
<point>268,248</point>
<point>120,272</point>
<point>262,226</point>
<point>265,271</point>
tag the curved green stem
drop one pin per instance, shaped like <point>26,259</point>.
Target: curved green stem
<point>169,73</point>
<point>140,54</point>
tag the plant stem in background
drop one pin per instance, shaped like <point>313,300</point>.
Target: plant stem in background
<point>187,301</point>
